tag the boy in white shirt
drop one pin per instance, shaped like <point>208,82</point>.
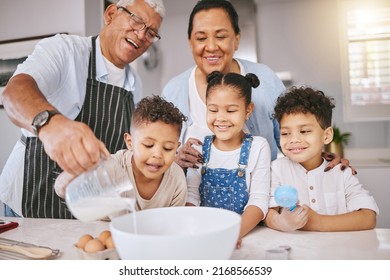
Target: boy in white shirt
<point>329,201</point>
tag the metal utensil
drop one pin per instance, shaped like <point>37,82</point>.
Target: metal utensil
<point>17,255</point>
<point>31,252</point>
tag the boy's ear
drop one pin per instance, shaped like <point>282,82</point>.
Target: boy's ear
<point>328,135</point>
<point>128,141</point>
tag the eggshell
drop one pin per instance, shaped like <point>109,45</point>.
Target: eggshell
<point>104,235</point>
<point>110,243</point>
<point>108,254</point>
<point>83,241</point>
<point>93,246</point>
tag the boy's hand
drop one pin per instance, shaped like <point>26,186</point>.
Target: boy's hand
<point>239,242</point>
<point>62,182</point>
<point>292,220</point>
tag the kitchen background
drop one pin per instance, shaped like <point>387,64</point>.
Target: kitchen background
<point>299,39</point>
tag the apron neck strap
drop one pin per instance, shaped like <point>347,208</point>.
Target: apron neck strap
<point>92,60</point>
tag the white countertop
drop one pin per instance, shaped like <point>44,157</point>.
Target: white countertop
<point>379,157</point>
<point>371,244</point>
<point>54,233</point>
<point>305,245</point>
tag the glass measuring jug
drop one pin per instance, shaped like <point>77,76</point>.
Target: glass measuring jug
<point>96,193</point>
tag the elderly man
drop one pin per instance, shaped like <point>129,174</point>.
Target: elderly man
<point>73,98</point>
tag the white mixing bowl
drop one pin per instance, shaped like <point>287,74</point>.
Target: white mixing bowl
<point>177,233</point>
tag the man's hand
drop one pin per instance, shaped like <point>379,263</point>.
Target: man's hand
<point>71,144</point>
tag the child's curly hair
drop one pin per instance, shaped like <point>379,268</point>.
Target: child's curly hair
<point>155,108</point>
<point>305,100</point>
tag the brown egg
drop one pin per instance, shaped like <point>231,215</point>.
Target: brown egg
<point>110,243</point>
<point>104,235</point>
<point>93,246</point>
<point>83,240</point>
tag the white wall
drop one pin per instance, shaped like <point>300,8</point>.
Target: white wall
<point>25,18</point>
<point>177,55</point>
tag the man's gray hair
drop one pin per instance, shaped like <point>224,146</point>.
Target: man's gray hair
<point>157,5</point>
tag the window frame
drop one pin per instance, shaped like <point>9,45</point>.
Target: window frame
<point>357,113</point>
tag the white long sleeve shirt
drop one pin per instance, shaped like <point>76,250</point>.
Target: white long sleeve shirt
<point>328,193</point>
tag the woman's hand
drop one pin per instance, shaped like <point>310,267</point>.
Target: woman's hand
<point>188,156</point>
<point>335,159</point>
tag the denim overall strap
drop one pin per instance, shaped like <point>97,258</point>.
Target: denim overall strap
<point>208,141</point>
<point>225,188</point>
<point>244,154</point>
<point>245,149</point>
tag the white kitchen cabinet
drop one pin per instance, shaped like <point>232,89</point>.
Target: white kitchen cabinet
<point>373,171</point>
<point>377,181</point>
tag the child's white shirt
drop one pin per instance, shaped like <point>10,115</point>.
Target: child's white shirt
<point>328,193</point>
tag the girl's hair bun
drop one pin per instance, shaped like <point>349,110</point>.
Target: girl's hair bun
<point>213,75</point>
<point>253,80</point>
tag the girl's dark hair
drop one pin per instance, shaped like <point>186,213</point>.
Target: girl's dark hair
<point>155,108</point>
<point>305,100</point>
<point>243,84</point>
<point>205,5</point>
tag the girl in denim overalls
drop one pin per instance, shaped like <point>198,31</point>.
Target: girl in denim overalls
<point>235,174</point>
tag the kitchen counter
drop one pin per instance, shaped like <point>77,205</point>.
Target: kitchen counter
<point>371,158</point>
<point>305,245</point>
<point>371,244</point>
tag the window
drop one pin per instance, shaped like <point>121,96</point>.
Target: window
<point>365,44</point>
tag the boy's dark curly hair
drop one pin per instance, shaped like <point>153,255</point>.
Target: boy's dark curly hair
<point>304,100</point>
<point>155,108</point>
<point>243,84</point>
